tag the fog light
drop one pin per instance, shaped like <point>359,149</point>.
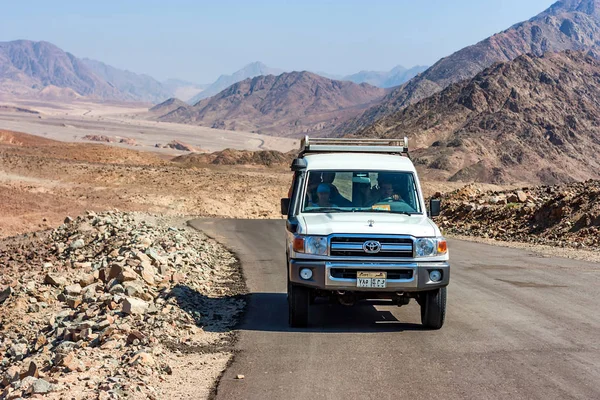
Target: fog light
<point>435,275</point>
<point>306,273</point>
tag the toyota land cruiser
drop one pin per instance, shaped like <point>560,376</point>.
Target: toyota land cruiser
<point>358,229</point>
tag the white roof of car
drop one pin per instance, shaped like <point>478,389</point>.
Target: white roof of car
<point>358,161</point>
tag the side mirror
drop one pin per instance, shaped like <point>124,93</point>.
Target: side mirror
<point>285,206</point>
<point>435,206</point>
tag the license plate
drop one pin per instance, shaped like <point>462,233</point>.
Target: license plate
<point>371,279</point>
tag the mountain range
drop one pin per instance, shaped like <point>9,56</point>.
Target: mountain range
<point>37,69</point>
<point>532,119</point>
<point>292,103</point>
<point>27,68</point>
<point>383,79</point>
<point>386,79</point>
<point>567,24</point>
<point>134,86</point>
<point>224,81</point>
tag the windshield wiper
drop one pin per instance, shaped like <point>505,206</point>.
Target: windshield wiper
<point>325,209</point>
<point>387,211</point>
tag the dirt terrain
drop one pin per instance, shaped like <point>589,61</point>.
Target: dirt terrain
<point>42,181</point>
<point>123,124</point>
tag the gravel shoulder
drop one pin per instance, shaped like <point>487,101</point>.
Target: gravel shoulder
<point>116,305</point>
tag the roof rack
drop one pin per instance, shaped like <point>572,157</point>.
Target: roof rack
<point>358,145</point>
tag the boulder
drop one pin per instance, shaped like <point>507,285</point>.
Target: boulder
<point>132,305</point>
<point>5,294</point>
<point>143,358</point>
<point>41,386</point>
<point>127,274</point>
<point>55,280</point>
<point>77,244</point>
<point>521,196</point>
<point>73,290</point>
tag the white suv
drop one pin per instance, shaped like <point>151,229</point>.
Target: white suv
<point>358,229</point>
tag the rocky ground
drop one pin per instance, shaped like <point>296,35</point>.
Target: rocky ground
<point>559,216</point>
<point>41,181</point>
<point>115,305</point>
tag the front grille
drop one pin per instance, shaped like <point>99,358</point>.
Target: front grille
<point>343,246</point>
<point>346,273</point>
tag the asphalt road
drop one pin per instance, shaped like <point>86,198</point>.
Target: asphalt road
<point>518,326</point>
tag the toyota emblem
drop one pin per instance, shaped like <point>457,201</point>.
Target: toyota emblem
<point>372,247</point>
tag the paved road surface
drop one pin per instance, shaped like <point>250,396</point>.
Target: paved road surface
<point>519,326</point>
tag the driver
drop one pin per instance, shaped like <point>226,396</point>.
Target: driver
<point>386,190</point>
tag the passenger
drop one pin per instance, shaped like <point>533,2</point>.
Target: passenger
<point>324,196</point>
<point>314,181</point>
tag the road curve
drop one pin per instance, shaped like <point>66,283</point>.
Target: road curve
<point>519,326</point>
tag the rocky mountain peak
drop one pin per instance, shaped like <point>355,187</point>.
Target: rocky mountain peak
<point>590,7</point>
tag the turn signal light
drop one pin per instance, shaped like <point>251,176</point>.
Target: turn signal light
<point>298,245</point>
<point>442,247</point>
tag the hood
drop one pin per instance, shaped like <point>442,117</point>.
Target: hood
<point>383,223</point>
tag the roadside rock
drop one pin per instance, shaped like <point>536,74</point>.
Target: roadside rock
<point>131,305</point>
<point>40,386</point>
<point>78,244</point>
<point>55,280</point>
<point>559,216</point>
<point>137,293</point>
<point>73,290</point>
<point>5,294</point>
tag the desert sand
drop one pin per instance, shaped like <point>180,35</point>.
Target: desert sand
<point>72,121</point>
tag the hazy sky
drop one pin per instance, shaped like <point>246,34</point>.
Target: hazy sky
<point>199,40</point>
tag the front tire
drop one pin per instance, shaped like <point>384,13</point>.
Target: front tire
<point>433,308</point>
<point>298,303</point>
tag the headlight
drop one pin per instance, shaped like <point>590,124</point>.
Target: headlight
<point>315,245</point>
<point>429,247</point>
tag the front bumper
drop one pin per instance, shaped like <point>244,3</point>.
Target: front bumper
<point>412,276</point>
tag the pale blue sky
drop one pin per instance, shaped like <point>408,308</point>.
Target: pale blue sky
<point>199,40</point>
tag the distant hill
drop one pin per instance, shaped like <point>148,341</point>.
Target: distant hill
<point>288,104</point>
<point>249,71</point>
<point>183,89</point>
<point>567,24</point>
<point>131,85</point>
<point>386,79</point>
<point>168,106</point>
<point>43,70</point>
<point>28,67</point>
<point>533,119</point>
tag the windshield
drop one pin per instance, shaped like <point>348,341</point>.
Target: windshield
<point>361,191</point>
